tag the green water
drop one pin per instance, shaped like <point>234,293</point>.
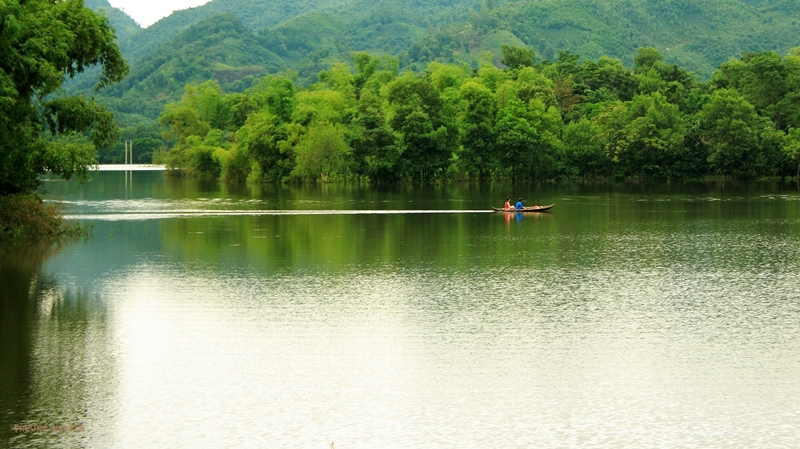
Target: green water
<point>205,316</point>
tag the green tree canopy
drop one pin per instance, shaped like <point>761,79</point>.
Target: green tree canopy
<point>733,132</point>
<point>517,57</point>
<point>41,41</point>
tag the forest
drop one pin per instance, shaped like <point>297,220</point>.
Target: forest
<point>404,90</point>
<point>237,41</point>
<point>526,120</point>
<point>400,91</point>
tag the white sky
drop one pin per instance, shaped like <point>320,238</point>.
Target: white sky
<point>148,12</point>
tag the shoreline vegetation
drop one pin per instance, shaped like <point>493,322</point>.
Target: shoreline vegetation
<point>41,129</point>
<point>520,120</point>
<point>509,117</point>
<point>24,218</point>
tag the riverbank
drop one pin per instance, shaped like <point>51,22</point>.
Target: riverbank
<point>25,218</point>
<point>128,167</point>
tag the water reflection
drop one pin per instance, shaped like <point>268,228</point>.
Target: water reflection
<point>57,369</point>
<point>622,319</point>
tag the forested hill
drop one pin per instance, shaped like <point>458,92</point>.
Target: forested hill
<point>219,48</point>
<point>255,14</point>
<point>254,37</point>
<point>700,33</point>
<point>122,23</point>
<point>695,34</point>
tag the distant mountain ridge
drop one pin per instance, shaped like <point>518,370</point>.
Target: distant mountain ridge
<point>255,37</point>
<point>122,23</point>
<point>219,47</point>
<point>254,14</point>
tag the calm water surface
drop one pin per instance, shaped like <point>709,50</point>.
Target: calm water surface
<point>202,316</point>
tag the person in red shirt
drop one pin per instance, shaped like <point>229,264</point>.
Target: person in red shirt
<point>507,206</point>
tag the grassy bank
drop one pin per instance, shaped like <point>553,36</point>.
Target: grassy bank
<point>24,218</point>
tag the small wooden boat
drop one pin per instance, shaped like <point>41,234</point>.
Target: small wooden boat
<point>525,209</point>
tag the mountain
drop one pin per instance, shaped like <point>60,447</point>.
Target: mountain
<point>219,47</point>
<point>235,41</point>
<point>696,34</point>
<point>124,26</point>
<point>122,23</point>
<point>254,14</point>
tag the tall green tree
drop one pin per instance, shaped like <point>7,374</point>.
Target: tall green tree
<point>428,139</point>
<point>322,153</point>
<point>792,148</point>
<point>517,57</point>
<point>767,81</point>
<point>477,129</point>
<point>516,139</point>
<point>375,150</point>
<point>263,138</point>
<point>548,124</point>
<point>277,94</point>
<point>739,140</point>
<point>653,137</point>
<point>583,154</point>
<point>41,42</point>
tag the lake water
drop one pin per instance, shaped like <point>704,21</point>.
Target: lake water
<point>334,316</point>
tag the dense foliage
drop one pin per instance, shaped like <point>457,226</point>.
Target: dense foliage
<point>124,26</point>
<point>528,120</point>
<point>255,14</point>
<point>604,115</point>
<point>40,130</point>
<point>310,36</point>
<point>24,218</point>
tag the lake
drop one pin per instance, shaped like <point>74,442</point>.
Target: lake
<point>200,315</point>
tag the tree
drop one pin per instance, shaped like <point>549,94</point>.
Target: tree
<point>647,58</point>
<point>182,121</point>
<point>477,133</point>
<point>583,153</point>
<point>732,130</point>
<point>792,148</point>
<point>322,153</point>
<point>762,79</point>
<point>277,94</point>
<point>366,66</point>
<point>239,106</point>
<point>444,76</point>
<point>531,84</point>
<point>428,139</point>
<point>516,138</point>
<point>263,137</point>
<point>516,58</point>
<point>375,150</point>
<point>608,73</point>
<point>644,136</point>
<point>548,124</point>
<point>41,41</point>
<point>320,105</point>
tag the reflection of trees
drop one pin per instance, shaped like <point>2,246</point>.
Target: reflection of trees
<point>336,241</point>
<point>56,367</point>
<point>599,216</point>
<point>282,242</point>
<point>18,269</point>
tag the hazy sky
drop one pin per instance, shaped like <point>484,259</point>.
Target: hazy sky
<point>148,12</point>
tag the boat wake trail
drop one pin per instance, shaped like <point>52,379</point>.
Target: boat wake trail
<point>160,215</point>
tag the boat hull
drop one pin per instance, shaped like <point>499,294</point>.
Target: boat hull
<point>526,209</point>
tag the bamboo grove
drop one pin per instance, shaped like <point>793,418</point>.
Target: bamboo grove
<point>520,119</point>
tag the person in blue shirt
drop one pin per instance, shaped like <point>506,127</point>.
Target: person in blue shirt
<point>519,204</point>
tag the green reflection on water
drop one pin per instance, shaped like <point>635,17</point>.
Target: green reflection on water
<point>603,249</point>
<point>54,347</point>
